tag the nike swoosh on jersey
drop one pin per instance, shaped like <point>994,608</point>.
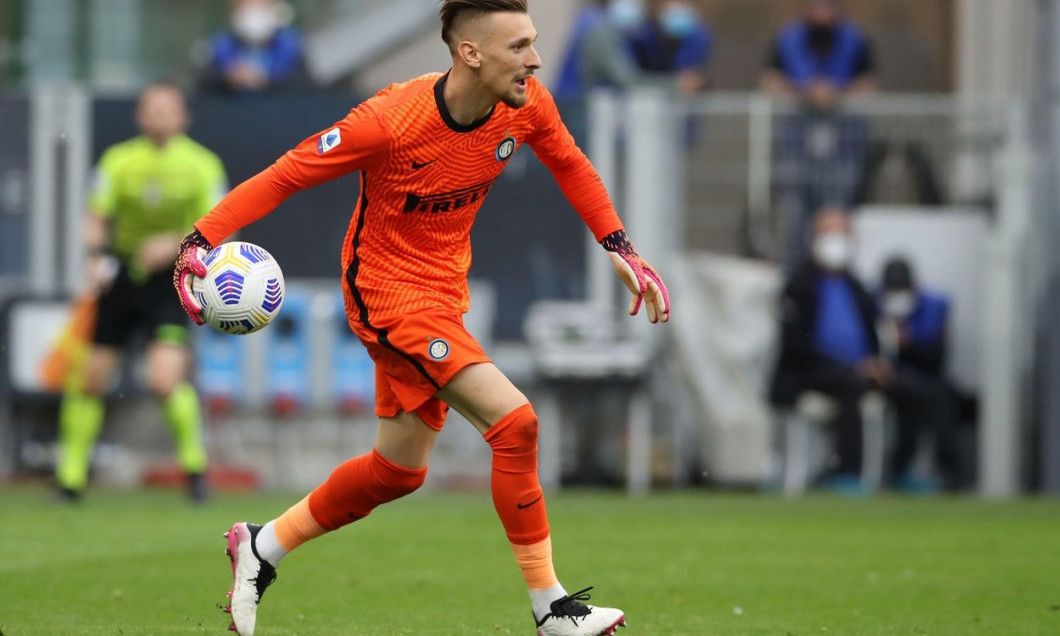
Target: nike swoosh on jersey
<point>417,165</point>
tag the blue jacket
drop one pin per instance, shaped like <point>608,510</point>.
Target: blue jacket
<point>927,333</point>
<point>655,53</point>
<point>281,58</point>
<point>800,306</point>
<point>801,65</point>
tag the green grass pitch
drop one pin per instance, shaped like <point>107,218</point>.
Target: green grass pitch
<point>691,563</point>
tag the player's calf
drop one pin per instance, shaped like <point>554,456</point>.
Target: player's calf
<point>517,494</point>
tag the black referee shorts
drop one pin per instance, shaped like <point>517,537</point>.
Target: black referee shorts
<point>150,306</point>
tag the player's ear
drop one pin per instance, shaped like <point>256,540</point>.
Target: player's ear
<point>469,54</point>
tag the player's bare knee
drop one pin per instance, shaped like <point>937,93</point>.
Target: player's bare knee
<point>100,370</point>
<point>161,383</point>
<point>161,387</point>
<point>97,380</point>
<point>95,386</point>
<point>166,367</point>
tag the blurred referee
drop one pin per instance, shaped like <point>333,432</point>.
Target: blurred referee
<point>148,191</point>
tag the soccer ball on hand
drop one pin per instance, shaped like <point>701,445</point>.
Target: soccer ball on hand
<point>243,288</point>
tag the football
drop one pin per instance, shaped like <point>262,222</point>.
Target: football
<point>243,289</point>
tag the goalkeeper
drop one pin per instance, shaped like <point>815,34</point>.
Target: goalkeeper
<point>148,191</point>
<point>428,151</point>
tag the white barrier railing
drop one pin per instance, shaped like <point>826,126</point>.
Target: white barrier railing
<point>733,167</point>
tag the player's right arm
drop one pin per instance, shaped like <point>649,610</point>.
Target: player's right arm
<point>101,203</point>
<point>100,266</point>
<point>360,141</point>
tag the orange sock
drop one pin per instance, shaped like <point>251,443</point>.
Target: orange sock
<point>359,485</point>
<point>517,494</point>
<point>536,563</point>
<point>296,526</point>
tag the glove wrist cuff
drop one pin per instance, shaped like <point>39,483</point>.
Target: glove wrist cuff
<point>197,239</point>
<point>618,243</point>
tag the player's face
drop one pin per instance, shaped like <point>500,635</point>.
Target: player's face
<point>508,56</point>
<point>161,113</point>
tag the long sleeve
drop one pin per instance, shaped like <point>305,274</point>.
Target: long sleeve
<point>576,176</point>
<point>360,141</point>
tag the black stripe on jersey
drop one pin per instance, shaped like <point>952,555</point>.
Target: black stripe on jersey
<point>362,308</point>
<point>355,262</point>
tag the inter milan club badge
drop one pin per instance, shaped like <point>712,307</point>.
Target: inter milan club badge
<point>438,349</point>
<point>505,149</point>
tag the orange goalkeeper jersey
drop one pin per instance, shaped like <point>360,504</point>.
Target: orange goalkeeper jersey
<point>424,178</point>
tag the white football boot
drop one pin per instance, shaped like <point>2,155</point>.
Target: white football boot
<point>570,617</point>
<point>250,576</point>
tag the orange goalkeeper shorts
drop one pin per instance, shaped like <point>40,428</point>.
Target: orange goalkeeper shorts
<point>415,355</point>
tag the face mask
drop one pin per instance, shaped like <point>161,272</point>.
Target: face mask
<point>625,14</point>
<point>255,25</point>
<point>833,251</point>
<point>899,304</point>
<point>677,20</point>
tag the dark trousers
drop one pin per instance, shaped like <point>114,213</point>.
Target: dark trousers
<point>922,403</point>
<point>843,384</point>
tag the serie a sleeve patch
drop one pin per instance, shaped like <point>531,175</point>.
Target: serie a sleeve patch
<point>329,140</point>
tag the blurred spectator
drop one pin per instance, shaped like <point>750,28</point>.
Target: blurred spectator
<point>915,333</point>
<point>674,44</point>
<point>258,52</point>
<point>820,57</point>
<point>148,191</point>
<point>822,154</point>
<point>597,54</point>
<point>828,341</point>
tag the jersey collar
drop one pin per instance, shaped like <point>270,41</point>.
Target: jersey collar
<point>443,110</point>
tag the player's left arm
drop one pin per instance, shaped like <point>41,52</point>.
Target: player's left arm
<point>582,186</point>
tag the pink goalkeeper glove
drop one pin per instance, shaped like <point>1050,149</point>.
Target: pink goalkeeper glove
<point>641,279</point>
<point>189,264</point>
